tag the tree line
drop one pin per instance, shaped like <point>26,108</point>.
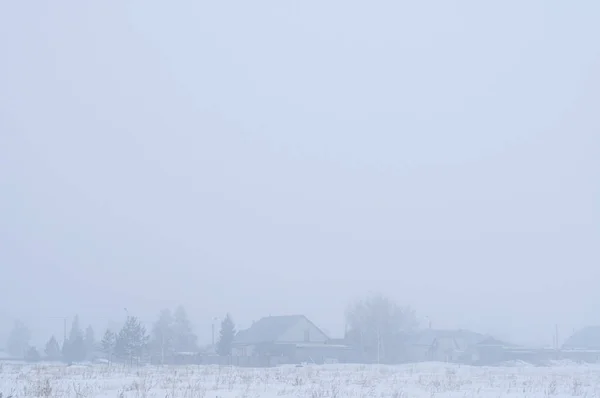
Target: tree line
<point>171,333</point>
<point>374,325</point>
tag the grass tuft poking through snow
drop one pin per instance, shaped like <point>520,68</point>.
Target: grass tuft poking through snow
<point>430,380</point>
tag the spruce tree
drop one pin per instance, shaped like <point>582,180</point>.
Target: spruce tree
<point>32,355</point>
<point>162,342</point>
<point>90,341</point>
<point>226,336</point>
<point>132,340</point>
<point>184,337</point>
<point>52,349</point>
<point>74,348</point>
<point>108,344</point>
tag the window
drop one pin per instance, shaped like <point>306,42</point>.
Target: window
<point>307,335</point>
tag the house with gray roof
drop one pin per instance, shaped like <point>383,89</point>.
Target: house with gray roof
<point>587,338</point>
<point>290,338</point>
<point>490,351</point>
<point>583,345</point>
<point>438,345</point>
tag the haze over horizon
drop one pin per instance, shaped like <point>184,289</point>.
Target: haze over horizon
<point>288,157</point>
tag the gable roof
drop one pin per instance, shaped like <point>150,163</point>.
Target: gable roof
<point>586,338</point>
<point>268,329</point>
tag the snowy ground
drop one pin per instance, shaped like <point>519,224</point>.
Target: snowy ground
<point>332,381</point>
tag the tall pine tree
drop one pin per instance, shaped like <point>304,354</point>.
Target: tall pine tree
<point>162,341</point>
<point>226,336</point>
<point>74,348</point>
<point>108,343</point>
<point>52,350</point>
<point>132,340</point>
<point>90,341</point>
<point>184,337</point>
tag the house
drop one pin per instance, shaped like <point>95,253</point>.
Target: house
<point>583,345</point>
<point>587,338</point>
<point>287,339</point>
<point>489,351</point>
<point>438,345</point>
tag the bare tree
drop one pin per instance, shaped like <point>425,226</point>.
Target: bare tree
<point>374,324</point>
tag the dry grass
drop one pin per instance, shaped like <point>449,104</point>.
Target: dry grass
<point>342,381</point>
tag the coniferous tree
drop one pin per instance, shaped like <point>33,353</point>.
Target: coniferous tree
<point>52,349</point>
<point>74,347</point>
<point>132,340</point>
<point>226,336</point>
<point>108,344</point>
<point>162,335</point>
<point>18,340</point>
<point>32,355</point>
<point>184,337</point>
<point>90,341</point>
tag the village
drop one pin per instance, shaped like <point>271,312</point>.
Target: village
<point>295,339</point>
<point>276,340</point>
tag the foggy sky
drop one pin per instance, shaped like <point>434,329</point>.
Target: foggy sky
<point>282,157</point>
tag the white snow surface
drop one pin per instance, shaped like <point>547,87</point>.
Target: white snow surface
<point>329,381</point>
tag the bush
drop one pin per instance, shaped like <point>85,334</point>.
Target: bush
<point>32,355</point>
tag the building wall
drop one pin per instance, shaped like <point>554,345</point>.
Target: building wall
<point>325,354</point>
<point>243,351</point>
<point>300,331</point>
<point>415,353</point>
<point>490,355</point>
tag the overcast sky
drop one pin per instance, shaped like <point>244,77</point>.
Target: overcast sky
<point>281,157</point>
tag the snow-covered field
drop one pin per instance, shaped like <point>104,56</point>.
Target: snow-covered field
<point>331,381</point>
